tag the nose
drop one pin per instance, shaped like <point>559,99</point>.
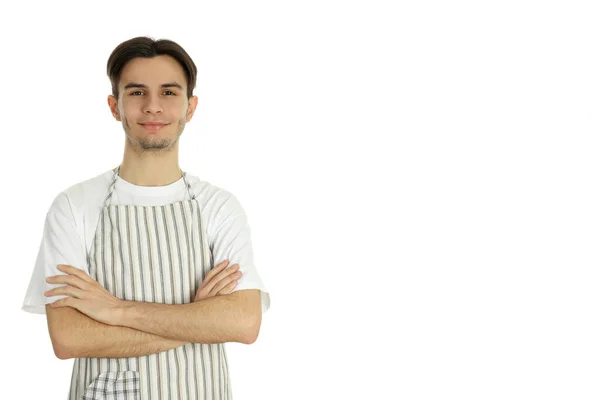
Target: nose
<point>152,105</point>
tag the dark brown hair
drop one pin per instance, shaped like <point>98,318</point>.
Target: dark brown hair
<point>147,47</point>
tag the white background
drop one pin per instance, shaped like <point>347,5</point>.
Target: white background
<point>421,180</point>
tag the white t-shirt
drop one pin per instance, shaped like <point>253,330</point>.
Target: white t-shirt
<point>71,223</point>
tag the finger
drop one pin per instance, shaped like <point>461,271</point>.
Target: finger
<point>69,269</point>
<point>224,282</point>
<point>230,270</point>
<point>65,290</point>
<point>210,280</point>
<point>227,289</point>
<point>68,279</point>
<point>66,302</point>
<point>218,268</point>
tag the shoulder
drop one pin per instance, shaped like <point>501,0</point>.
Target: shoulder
<point>212,198</point>
<point>72,201</point>
<point>219,206</point>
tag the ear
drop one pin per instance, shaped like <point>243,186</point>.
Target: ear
<point>114,107</point>
<point>192,103</point>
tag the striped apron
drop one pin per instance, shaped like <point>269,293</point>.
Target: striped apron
<point>156,254</point>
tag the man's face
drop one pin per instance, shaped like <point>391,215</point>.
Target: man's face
<point>152,105</point>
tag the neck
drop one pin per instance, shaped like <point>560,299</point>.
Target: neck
<point>149,171</point>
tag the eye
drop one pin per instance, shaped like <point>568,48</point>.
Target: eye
<point>168,91</point>
<point>137,91</point>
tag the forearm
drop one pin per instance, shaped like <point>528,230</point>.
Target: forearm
<point>232,318</point>
<point>82,336</point>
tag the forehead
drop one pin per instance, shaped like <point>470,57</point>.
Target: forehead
<point>152,71</point>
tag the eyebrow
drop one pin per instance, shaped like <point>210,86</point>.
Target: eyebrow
<point>142,86</point>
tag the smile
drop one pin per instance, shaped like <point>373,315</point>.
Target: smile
<point>153,127</point>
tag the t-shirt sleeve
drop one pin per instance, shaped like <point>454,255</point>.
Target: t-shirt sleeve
<point>229,239</point>
<point>60,244</point>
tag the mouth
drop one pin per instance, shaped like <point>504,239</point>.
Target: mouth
<point>153,126</point>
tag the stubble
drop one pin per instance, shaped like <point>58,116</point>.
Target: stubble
<point>152,144</point>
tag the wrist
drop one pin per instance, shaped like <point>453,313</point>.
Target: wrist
<point>123,312</point>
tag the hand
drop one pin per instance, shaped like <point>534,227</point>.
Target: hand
<point>219,281</point>
<point>87,295</point>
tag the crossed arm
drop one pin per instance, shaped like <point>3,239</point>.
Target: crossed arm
<point>93,323</point>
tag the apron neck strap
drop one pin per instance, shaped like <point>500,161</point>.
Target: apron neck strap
<point>114,181</point>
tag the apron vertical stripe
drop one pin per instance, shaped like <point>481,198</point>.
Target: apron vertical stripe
<point>110,253</point>
<point>154,369</point>
<point>105,363</point>
<point>192,262</point>
<point>174,360</point>
<point>203,355</point>
<point>213,367</point>
<point>120,265</point>
<point>160,283</point>
<point>158,257</point>
<point>181,298</point>
<point>142,262</point>
<point>75,378</point>
<point>188,372</point>
<point>183,278</point>
<point>222,375</point>
<point>206,266</point>
<point>130,250</point>
<point>182,356</point>
<point>206,354</point>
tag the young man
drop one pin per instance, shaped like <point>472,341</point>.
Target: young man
<point>126,269</point>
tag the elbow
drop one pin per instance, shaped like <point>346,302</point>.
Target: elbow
<point>60,322</point>
<point>251,329</point>
<point>249,338</point>
<point>61,351</point>
<point>62,346</point>
<point>248,325</point>
<point>62,355</point>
